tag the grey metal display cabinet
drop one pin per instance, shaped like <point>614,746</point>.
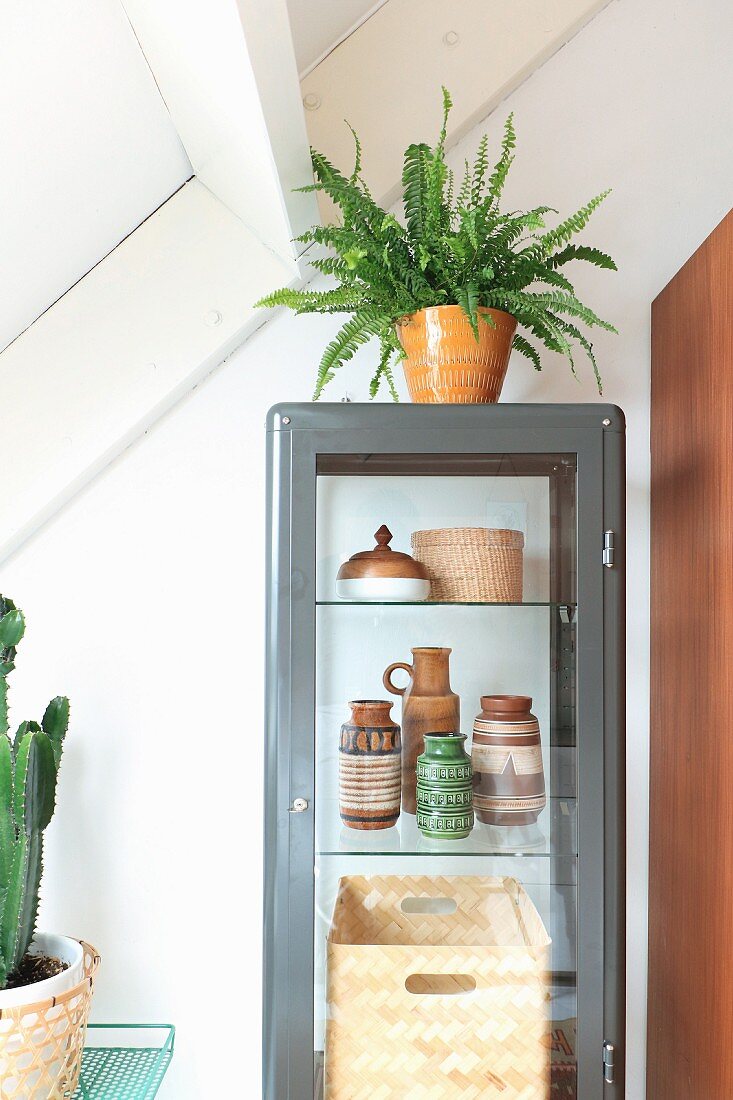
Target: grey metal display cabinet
<point>335,473</point>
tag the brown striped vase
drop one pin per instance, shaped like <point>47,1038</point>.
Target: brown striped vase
<point>508,776</point>
<point>370,766</point>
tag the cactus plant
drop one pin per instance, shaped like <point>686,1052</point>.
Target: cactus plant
<point>29,763</point>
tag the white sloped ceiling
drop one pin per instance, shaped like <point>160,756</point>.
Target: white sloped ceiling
<point>318,25</point>
<point>88,148</point>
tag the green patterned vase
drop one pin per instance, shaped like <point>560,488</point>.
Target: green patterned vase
<point>444,787</point>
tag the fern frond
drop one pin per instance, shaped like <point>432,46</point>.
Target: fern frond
<point>505,231</point>
<point>391,383</point>
<point>449,189</point>
<point>572,225</point>
<point>564,345</point>
<point>526,349</point>
<point>414,185</point>
<point>358,208</point>
<point>283,297</point>
<point>554,278</point>
<point>359,330</point>
<point>437,206</point>
<point>314,301</point>
<point>480,168</point>
<point>468,299</point>
<point>447,106</point>
<point>356,172</point>
<point>583,252</point>
<point>529,315</point>
<point>562,302</point>
<point>587,346</point>
<point>466,184</point>
<point>504,163</point>
<point>329,265</point>
<point>342,298</point>
<point>384,370</point>
<point>468,223</point>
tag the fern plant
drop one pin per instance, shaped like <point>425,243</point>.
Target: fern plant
<point>454,246</point>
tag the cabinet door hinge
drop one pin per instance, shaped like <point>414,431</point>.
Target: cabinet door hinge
<point>609,548</point>
<point>609,1062</point>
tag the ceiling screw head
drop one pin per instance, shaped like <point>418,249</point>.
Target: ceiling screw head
<point>212,318</point>
<point>451,38</point>
<point>286,420</point>
<point>311,101</point>
<point>606,423</point>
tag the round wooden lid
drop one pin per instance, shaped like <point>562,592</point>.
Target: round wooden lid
<point>382,561</point>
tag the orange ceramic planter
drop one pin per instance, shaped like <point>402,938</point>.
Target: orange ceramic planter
<point>445,363</point>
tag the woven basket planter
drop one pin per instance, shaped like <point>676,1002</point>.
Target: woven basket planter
<point>438,987</point>
<point>41,1043</point>
<point>445,363</point>
<point>471,564</point>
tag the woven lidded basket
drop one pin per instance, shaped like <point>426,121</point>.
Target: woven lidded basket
<point>438,988</point>
<point>471,563</point>
<point>41,1043</point>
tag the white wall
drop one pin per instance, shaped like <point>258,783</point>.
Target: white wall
<point>145,596</point>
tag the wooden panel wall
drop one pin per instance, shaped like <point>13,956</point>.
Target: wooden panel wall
<point>690,1032</point>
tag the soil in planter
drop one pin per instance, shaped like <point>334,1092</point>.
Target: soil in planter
<point>35,968</point>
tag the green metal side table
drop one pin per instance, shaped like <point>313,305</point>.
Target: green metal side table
<point>125,1061</point>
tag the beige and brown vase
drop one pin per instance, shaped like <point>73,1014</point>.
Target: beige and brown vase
<point>445,362</point>
<point>428,706</point>
<point>369,766</point>
<point>508,776</point>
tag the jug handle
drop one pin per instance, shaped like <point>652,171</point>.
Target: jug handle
<point>387,678</point>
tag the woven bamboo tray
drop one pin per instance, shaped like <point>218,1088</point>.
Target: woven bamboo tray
<point>468,564</point>
<point>41,1043</point>
<point>436,1004</point>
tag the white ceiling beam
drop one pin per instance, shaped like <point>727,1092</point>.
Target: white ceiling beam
<point>385,78</point>
<point>227,72</point>
<point>121,347</point>
<point>167,305</point>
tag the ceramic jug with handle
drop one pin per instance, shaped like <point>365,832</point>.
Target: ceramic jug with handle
<point>428,706</point>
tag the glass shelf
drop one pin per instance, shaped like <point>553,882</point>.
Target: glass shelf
<point>554,834</point>
<point>125,1061</point>
<point>438,603</point>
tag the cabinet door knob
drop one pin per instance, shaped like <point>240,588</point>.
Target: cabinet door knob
<point>299,806</point>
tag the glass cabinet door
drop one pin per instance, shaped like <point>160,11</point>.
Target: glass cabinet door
<point>455,943</point>
<point>498,907</point>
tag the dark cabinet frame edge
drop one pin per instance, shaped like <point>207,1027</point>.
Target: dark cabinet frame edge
<point>296,433</point>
